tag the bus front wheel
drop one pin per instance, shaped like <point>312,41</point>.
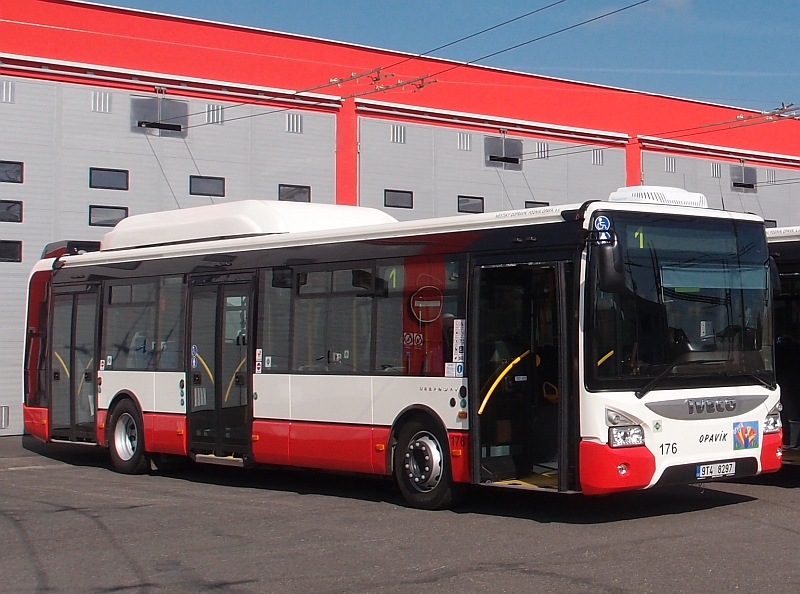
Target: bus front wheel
<point>126,439</point>
<point>422,466</point>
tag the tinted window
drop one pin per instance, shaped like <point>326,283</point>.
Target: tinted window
<point>10,251</point>
<point>472,204</point>
<point>10,211</point>
<point>11,172</point>
<point>206,186</point>
<point>294,193</point>
<point>106,216</point>
<point>108,179</point>
<point>398,199</point>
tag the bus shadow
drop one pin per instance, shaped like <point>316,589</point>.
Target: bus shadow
<point>788,477</point>
<point>536,506</point>
<point>549,507</point>
<point>72,454</point>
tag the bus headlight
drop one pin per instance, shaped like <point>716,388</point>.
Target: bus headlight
<point>624,437</point>
<point>772,424</point>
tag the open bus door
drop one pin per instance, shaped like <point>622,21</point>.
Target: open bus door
<point>220,407</point>
<point>73,364</point>
<point>519,379</point>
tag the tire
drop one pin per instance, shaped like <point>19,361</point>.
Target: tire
<point>422,465</point>
<point>126,439</point>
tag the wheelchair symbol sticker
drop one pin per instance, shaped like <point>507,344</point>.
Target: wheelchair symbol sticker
<point>602,223</point>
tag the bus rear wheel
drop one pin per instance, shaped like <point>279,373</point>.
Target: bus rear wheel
<point>126,439</point>
<point>422,466</point>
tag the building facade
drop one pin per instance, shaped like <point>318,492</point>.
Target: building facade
<point>108,112</point>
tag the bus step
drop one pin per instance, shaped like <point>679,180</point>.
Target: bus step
<point>220,460</point>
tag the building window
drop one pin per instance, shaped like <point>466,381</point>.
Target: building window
<point>10,251</point>
<point>11,172</point>
<point>291,193</point>
<point>398,199</point>
<point>743,179</point>
<point>716,170</point>
<point>294,123</point>
<point>214,113</point>
<point>770,176</point>
<point>200,185</point>
<point>10,211</point>
<point>502,152</point>
<point>669,164</point>
<point>158,116</point>
<point>398,134</point>
<point>470,204</point>
<point>7,92</point>
<point>108,179</point>
<point>101,101</point>
<point>542,150</point>
<point>464,141</point>
<point>106,216</point>
<point>597,156</point>
<point>535,204</point>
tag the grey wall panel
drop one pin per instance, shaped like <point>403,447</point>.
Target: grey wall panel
<point>779,201</point>
<point>281,157</point>
<point>409,166</point>
<point>433,152</point>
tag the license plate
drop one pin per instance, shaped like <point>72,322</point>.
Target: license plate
<point>705,471</point>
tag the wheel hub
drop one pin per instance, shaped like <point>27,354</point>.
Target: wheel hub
<point>126,437</point>
<point>423,462</point>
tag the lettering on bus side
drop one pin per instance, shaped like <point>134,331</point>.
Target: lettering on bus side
<point>711,406</point>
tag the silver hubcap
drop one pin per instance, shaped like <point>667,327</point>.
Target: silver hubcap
<point>423,462</point>
<point>126,437</point>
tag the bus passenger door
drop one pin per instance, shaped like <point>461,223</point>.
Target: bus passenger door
<point>518,374</point>
<point>73,364</point>
<point>219,371</point>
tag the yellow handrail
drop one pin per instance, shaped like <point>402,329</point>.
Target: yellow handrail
<point>233,377</point>
<point>500,377</point>
<point>64,365</point>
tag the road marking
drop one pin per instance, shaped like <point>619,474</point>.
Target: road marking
<point>24,467</point>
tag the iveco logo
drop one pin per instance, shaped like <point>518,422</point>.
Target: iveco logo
<point>711,406</point>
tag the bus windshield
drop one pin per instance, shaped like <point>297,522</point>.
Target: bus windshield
<point>694,311</point>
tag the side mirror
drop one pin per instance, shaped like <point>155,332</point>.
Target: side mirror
<point>609,268</point>
<point>774,277</point>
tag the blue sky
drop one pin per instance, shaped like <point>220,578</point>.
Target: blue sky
<point>737,52</point>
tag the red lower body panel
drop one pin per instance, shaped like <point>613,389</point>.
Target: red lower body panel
<point>165,433</point>
<point>353,448</point>
<point>770,446</point>
<point>459,455</point>
<point>36,421</point>
<point>333,447</point>
<point>599,468</point>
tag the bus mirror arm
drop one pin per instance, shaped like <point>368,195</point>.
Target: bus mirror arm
<point>609,268</point>
<point>774,277</point>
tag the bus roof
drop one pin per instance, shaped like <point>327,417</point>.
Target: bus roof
<point>341,228</point>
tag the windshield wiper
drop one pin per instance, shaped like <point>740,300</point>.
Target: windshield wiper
<point>771,385</point>
<point>657,379</point>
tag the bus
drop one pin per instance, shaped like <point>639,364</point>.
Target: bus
<point>784,245</point>
<point>599,347</point>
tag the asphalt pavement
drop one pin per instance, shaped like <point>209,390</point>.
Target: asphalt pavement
<point>69,524</point>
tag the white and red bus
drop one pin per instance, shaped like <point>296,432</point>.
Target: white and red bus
<point>598,348</point>
<point>784,244</point>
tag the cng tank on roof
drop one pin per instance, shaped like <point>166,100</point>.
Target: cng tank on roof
<point>236,219</point>
<point>659,195</point>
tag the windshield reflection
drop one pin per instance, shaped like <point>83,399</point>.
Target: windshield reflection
<point>696,291</point>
